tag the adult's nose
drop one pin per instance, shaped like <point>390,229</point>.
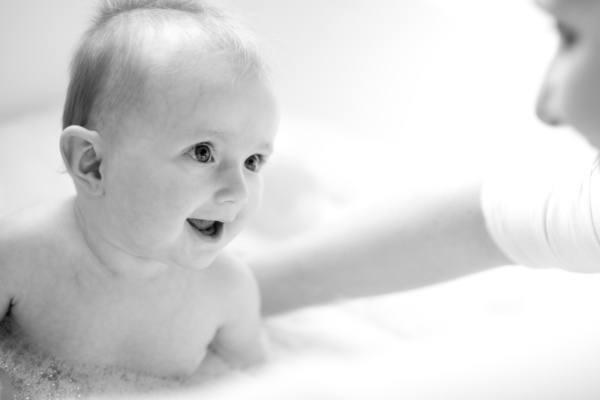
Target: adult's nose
<point>548,107</point>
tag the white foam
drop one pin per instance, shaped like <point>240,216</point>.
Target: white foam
<point>39,376</point>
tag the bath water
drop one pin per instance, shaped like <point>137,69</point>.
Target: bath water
<point>35,375</point>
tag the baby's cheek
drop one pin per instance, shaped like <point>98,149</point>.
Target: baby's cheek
<point>255,195</point>
<point>250,210</point>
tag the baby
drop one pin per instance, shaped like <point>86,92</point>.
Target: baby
<point>168,121</point>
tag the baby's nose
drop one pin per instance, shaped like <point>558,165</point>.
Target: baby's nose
<point>232,186</point>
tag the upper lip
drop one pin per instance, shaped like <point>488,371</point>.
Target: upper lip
<point>221,220</point>
<point>202,222</point>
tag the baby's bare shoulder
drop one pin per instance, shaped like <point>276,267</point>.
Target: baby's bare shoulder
<point>235,279</point>
<point>232,269</point>
<point>20,243</point>
<point>32,237</point>
<point>240,337</point>
<point>18,239</point>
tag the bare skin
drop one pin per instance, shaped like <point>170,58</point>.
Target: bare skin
<point>423,237</point>
<point>66,302</point>
<point>133,270</point>
<point>418,238</point>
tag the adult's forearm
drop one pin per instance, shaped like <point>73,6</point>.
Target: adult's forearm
<point>405,242</point>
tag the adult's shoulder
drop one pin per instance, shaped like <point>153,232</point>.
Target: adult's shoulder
<point>544,214</point>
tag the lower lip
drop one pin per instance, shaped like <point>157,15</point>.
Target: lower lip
<point>215,238</point>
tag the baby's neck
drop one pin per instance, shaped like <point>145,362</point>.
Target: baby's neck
<point>106,257</point>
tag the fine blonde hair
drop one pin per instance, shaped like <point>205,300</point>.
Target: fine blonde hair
<point>107,69</point>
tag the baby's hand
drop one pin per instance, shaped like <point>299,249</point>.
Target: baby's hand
<point>242,350</point>
<point>6,390</point>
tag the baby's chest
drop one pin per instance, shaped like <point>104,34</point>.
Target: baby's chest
<point>158,335</point>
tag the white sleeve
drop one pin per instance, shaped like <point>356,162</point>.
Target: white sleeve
<point>547,215</point>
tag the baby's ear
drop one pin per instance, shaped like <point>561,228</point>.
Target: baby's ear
<point>81,153</point>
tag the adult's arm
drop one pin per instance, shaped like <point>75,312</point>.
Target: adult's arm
<point>421,237</point>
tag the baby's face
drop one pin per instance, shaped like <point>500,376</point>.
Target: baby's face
<point>183,173</point>
<point>571,90</point>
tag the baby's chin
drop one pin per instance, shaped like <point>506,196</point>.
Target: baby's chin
<point>191,250</point>
<point>195,262</point>
<point>198,257</point>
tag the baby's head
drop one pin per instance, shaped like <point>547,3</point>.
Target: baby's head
<point>571,91</point>
<point>168,120</point>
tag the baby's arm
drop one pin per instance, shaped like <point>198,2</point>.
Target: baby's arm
<point>241,338</point>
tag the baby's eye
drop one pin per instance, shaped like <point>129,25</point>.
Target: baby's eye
<point>202,153</point>
<point>568,37</point>
<point>255,162</point>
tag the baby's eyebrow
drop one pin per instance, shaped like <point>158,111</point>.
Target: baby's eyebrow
<point>266,146</point>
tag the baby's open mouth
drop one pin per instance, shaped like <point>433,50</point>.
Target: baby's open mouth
<point>206,227</point>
